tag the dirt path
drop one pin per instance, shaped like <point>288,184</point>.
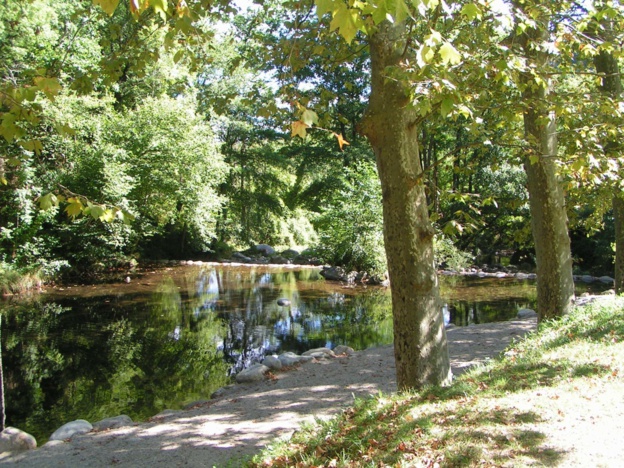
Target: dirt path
<point>247,417</point>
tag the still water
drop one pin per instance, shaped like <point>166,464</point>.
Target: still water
<point>174,335</point>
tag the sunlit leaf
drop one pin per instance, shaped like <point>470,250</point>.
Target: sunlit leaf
<point>160,7</point>
<point>299,129</point>
<point>74,207</point>
<point>47,201</point>
<point>347,20</point>
<point>471,11</point>
<point>324,6</point>
<point>446,106</point>
<point>108,6</point>
<point>309,117</point>
<point>3,180</point>
<point>341,140</point>
<point>449,54</point>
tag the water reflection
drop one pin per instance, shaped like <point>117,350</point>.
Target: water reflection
<point>174,335</point>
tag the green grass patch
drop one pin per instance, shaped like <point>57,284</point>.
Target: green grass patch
<point>479,420</point>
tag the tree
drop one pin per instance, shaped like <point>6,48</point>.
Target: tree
<point>549,222</point>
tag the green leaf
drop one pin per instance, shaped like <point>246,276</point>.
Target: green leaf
<point>108,216</point>
<point>309,117</point>
<point>449,54</point>
<point>324,6</point>
<point>425,55</point>
<point>3,180</point>
<point>471,11</point>
<point>160,7</point>
<point>446,106</point>
<point>47,201</point>
<point>347,20</point>
<point>401,12</point>
<point>108,6</point>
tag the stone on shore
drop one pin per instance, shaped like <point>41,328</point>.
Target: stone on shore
<point>113,423</point>
<point>67,431</point>
<point>290,359</point>
<point>272,362</point>
<point>342,349</point>
<point>254,373</point>
<point>526,313</point>
<point>321,353</point>
<point>16,440</point>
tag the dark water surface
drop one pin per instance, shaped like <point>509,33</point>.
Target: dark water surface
<point>173,335</point>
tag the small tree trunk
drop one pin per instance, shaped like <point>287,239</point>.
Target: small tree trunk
<point>607,65</point>
<point>2,409</point>
<point>420,345</point>
<point>549,220</point>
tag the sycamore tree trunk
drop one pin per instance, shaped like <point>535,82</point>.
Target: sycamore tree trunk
<point>607,66</point>
<point>549,219</point>
<point>420,345</point>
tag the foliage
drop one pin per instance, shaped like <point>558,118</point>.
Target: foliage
<point>477,420</point>
<point>350,223</point>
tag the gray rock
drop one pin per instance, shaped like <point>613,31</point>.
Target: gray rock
<point>67,431</point>
<point>526,313</point>
<point>608,292</point>
<point>606,279</point>
<point>587,279</point>
<point>521,276</point>
<point>290,359</point>
<point>279,260</point>
<point>254,373</point>
<point>218,393</point>
<point>272,362</point>
<point>239,257</point>
<point>15,440</point>
<point>342,349</point>
<point>113,423</point>
<point>282,301</point>
<point>532,276</point>
<point>290,254</point>
<point>264,249</point>
<point>316,352</point>
<point>334,274</point>
<point>166,413</point>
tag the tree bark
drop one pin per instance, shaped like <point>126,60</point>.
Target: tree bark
<point>607,65</point>
<point>420,345</point>
<point>549,219</point>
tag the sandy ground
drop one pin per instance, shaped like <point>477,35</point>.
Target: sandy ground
<point>220,432</point>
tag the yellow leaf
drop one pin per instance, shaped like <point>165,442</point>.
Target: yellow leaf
<point>341,140</point>
<point>3,180</point>
<point>449,54</point>
<point>74,208</point>
<point>108,6</point>
<point>299,129</point>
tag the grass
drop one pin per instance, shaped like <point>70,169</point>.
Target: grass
<point>499,414</point>
<point>15,280</point>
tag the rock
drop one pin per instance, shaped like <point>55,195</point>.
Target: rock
<point>606,279</point>
<point>127,279</point>
<point>264,249</point>
<point>319,352</point>
<point>254,373</point>
<point>218,393</point>
<point>501,274</point>
<point>283,302</point>
<point>532,276</point>
<point>166,413</point>
<point>342,349</point>
<point>272,362</point>
<point>279,260</point>
<point>239,257</point>
<point>587,279</point>
<point>334,274</point>
<point>290,254</point>
<point>608,292</point>
<point>67,431</point>
<point>15,440</point>
<point>521,276</point>
<point>526,313</point>
<point>290,359</point>
<point>113,423</point>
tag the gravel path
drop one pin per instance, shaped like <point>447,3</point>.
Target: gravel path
<point>247,417</point>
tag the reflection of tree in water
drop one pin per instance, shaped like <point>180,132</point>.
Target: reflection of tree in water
<point>65,361</point>
<point>258,326</point>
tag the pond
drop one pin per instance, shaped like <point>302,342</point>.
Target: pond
<point>174,335</point>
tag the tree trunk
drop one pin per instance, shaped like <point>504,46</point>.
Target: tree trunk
<point>607,65</point>
<point>549,220</point>
<point>420,345</point>
<point>2,409</point>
